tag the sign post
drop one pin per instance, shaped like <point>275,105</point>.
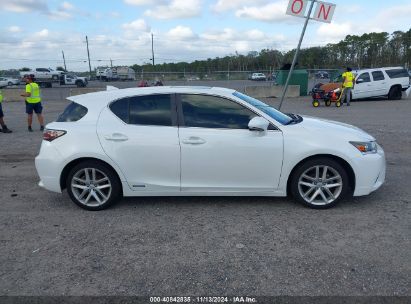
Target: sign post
<point>324,12</point>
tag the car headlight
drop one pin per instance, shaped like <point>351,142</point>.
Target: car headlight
<point>365,147</point>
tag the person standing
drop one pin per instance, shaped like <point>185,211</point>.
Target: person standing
<point>33,102</point>
<point>347,85</point>
<point>4,128</point>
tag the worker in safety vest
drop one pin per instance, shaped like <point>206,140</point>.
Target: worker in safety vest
<point>33,102</point>
<point>4,128</point>
<point>347,85</point>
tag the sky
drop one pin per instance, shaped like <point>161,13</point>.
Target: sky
<point>33,33</point>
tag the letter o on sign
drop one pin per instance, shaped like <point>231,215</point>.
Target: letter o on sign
<point>297,7</point>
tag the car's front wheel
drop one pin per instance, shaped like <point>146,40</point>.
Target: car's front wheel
<point>93,185</point>
<point>319,183</point>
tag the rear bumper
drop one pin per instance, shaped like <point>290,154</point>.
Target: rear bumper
<point>48,167</point>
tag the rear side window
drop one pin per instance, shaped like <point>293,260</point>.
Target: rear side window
<point>120,109</point>
<point>397,73</point>
<point>152,110</point>
<point>377,75</point>
<point>73,112</point>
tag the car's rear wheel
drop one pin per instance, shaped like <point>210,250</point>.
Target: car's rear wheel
<point>319,183</point>
<point>93,185</point>
<point>395,93</point>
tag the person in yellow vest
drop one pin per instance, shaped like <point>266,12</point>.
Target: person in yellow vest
<point>4,128</point>
<point>33,102</point>
<point>347,85</point>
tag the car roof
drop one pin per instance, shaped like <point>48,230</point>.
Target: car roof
<point>378,69</point>
<point>102,98</point>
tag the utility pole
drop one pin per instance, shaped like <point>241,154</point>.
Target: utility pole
<point>64,59</point>
<point>152,46</point>
<point>88,54</point>
<point>111,62</point>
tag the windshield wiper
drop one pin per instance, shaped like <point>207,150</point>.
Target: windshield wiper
<point>294,118</point>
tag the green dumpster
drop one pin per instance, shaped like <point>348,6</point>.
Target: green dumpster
<point>299,77</point>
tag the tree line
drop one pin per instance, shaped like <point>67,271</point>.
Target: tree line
<point>365,51</point>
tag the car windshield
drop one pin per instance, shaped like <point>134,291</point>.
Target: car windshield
<point>269,110</point>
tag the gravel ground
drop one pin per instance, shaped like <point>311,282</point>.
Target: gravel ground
<point>208,245</point>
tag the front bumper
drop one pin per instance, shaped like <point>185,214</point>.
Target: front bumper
<point>370,172</point>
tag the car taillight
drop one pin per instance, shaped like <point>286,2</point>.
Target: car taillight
<point>51,135</point>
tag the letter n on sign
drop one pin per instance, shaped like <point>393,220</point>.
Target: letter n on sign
<point>324,12</point>
<point>297,8</point>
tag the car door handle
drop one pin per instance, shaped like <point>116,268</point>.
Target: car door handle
<point>193,140</point>
<point>116,137</point>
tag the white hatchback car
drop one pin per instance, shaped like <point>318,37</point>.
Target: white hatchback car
<point>201,141</point>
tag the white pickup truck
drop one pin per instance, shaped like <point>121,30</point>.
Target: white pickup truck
<point>43,74</point>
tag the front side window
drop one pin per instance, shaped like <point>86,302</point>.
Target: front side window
<point>377,75</point>
<point>206,111</point>
<point>73,112</point>
<point>270,111</point>
<point>365,77</point>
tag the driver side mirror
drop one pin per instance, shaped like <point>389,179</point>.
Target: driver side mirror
<point>258,124</point>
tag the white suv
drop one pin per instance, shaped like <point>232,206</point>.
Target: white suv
<point>388,82</point>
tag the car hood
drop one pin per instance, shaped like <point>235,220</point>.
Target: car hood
<point>333,128</point>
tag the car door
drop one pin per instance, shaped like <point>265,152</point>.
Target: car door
<point>378,84</point>
<point>362,87</point>
<point>218,151</point>
<point>140,135</point>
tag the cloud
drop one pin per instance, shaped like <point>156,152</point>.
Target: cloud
<point>14,29</point>
<point>24,6</point>
<point>138,2</point>
<point>42,34</point>
<point>272,12</point>
<point>226,5</point>
<point>181,33</point>
<point>138,25</point>
<point>176,9</point>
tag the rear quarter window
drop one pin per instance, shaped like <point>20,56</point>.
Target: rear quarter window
<point>73,112</point>
<point>397,73</point>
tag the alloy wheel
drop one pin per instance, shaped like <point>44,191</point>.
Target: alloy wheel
<point>91,187</point>
<point>320,185</point>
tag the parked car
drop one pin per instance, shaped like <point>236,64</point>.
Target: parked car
<point>10,81</point>
<point>3,83</point>
<point>389,82</point>
<point>200,141</point>
<point>258,76</point>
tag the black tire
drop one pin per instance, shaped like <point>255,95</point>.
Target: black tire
<point>103,171</point>
<point>10,83</point>
<point>328,103</point>
<point>332,168</point>
<point>395,93</point>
